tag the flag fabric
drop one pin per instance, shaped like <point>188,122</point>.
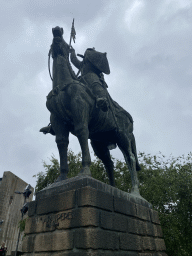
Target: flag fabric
<point>73,32</point>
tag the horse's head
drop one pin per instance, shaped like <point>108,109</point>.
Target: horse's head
<point>57,41</point>
<point>57,32</point>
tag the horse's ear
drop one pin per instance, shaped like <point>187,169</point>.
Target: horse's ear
<point>62,31</point>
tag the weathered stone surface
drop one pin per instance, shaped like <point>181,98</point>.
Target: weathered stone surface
<point>159,254</point>
<point>130,242</point>
<point>63,220</point>
<point>92,222</point>
<point>79,182</point>
<point>38,224</point>
<point>126,253</point>
<point>106,220</point>
<point>66,185</point>
<point>91,197</point>
<point>142,212</point>
<point>113,221</point>
<point>81,217</point>
<point>63,201</point>
<point>136,226</point>
<point>54,241</point>
<point>78,252</point>
<point>32,208</point>
<point>119,223</point>
<point>139,200</point>
<point>146,254</point>
<point>124,206</point>
<point>148,244</point>
<point>28,243</point>
<point>96,239</point>
<point>160,244</point>
<point>140,227</point>
<point>154,216</point>
<point>67,253</point>
<point>150,229</point>
<point>153,254</point>
<point>158,231</point>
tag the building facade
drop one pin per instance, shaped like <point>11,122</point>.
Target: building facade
<point>10,206</point>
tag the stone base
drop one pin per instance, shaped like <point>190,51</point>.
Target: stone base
<point>13,253</point>
<point>83,216</point>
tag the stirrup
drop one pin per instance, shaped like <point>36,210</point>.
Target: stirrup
<point>47,129</point>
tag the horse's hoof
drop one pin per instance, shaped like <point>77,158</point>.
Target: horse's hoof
<point>85,171</point>
<point>135,191</point>
<point>61,177</point>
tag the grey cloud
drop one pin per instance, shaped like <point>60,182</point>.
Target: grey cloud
<point>150,59</point>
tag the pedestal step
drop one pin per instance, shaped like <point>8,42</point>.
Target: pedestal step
<point>91,219</point>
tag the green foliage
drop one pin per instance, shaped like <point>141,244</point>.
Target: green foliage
<point>165,183</point>
<point>21,225</point>
<point>50,175</point>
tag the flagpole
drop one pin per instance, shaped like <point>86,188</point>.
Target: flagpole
<point>71,33</point>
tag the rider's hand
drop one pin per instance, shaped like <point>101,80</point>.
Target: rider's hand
<point>71,49</point>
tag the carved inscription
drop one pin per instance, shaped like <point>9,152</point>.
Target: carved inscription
<point>53,220</point>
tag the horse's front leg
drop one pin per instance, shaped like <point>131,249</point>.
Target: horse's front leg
<point>82,133</point>
<point>62,140</point>
<point>80,113</point>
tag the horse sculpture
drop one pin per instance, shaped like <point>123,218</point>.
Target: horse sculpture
<point>73,109</point>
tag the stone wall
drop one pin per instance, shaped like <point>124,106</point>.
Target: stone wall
<point>91,218</point>
<point>10,205</point>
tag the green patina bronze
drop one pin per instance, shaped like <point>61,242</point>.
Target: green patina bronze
<point>82,105</point>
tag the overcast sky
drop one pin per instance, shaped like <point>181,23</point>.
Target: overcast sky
<point>148,45</point>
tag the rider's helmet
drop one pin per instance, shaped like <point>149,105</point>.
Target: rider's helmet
<point>97,59</point>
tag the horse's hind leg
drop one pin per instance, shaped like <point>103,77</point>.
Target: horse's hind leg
<point>102,152</point>
<point>124,143</point>
<point>62,140</point>
<point>134,150</point>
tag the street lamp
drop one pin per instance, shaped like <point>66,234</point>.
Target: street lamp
<point>27,192</point>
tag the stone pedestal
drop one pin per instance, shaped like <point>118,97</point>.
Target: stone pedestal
<point>83,216</point>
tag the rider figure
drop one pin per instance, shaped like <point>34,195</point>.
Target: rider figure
<point>91,74</point>
<point>91,68</point>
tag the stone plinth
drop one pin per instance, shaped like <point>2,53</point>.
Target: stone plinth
<point>83,216</point>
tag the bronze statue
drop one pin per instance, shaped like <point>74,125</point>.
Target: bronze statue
<point>84,107</point>
<point>91,68</point>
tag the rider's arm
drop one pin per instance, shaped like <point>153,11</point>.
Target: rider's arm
<point>74,60</point>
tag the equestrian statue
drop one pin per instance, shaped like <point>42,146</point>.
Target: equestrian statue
<point>82,105</point>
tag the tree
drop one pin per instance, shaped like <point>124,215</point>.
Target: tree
<point>165,183</point>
